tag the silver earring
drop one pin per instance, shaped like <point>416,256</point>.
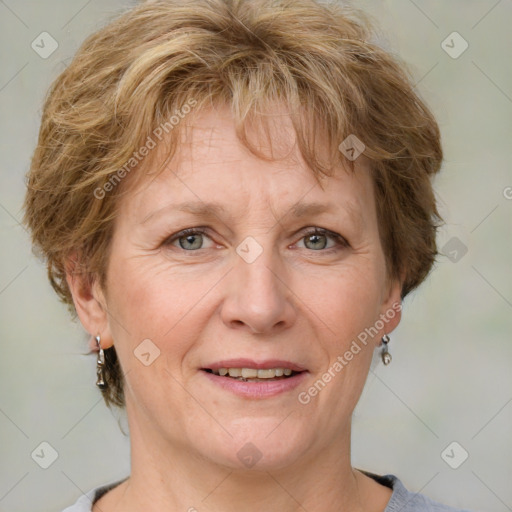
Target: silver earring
<point>100,366</point>
<point>386,356</point>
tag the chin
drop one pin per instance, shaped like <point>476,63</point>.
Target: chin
<point>261,444</point>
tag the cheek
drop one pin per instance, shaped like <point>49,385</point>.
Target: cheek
<point>152,312</point>
<point>155,301</point>
<point>348,301</point>
<point>349,306</point>
<point>151,298</point>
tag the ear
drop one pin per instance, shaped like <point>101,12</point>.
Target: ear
<point>391,308</point>
<point>89,300</point>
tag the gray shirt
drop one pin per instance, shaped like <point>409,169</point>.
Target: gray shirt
<point>401,500</point>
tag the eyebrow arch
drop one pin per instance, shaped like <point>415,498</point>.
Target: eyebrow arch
<point>301,209</point>
<point>305,209</point>
<point>201,209</point>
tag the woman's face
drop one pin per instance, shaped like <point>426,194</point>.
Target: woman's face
<point>249,286</point>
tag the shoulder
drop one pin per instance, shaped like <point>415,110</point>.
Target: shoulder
<point>403,500</point>
<point>86,501</point>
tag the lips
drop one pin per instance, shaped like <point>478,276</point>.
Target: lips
<point>271,382</point>
<point>251,371</point>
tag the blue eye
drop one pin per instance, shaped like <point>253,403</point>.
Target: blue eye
<point>318,239</point>
<point>190,239</point>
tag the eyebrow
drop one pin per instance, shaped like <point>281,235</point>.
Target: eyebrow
<point>297,210</point>
<point>301,209</point>
<point>200,209</point>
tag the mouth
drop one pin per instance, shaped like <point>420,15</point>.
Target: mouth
<point>250,379</point>
<point>255,379</point>
<point>254,374</point>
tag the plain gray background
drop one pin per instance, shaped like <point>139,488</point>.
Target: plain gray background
<point>450,379</point>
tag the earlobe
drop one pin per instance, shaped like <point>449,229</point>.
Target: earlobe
<point>89,302</point>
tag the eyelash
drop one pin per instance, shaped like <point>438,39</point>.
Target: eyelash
<point>340,241</point>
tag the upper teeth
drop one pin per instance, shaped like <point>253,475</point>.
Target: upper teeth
<point>253,373</point>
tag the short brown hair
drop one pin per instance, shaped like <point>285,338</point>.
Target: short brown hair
<point>133,75</point>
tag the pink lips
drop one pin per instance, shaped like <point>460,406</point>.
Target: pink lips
<point>260,389</point>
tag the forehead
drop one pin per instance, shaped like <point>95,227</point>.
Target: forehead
<point>212,171</point>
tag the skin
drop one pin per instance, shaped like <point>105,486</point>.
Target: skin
<point>303,300</point>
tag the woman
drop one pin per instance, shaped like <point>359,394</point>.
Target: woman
<point>234,197</point>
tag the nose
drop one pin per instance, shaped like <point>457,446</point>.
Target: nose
<point>258,299</point>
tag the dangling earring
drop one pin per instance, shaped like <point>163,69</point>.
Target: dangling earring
<point>100,366</point>
<point>386,356</point>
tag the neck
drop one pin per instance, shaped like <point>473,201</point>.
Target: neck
<point>165,476</point>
